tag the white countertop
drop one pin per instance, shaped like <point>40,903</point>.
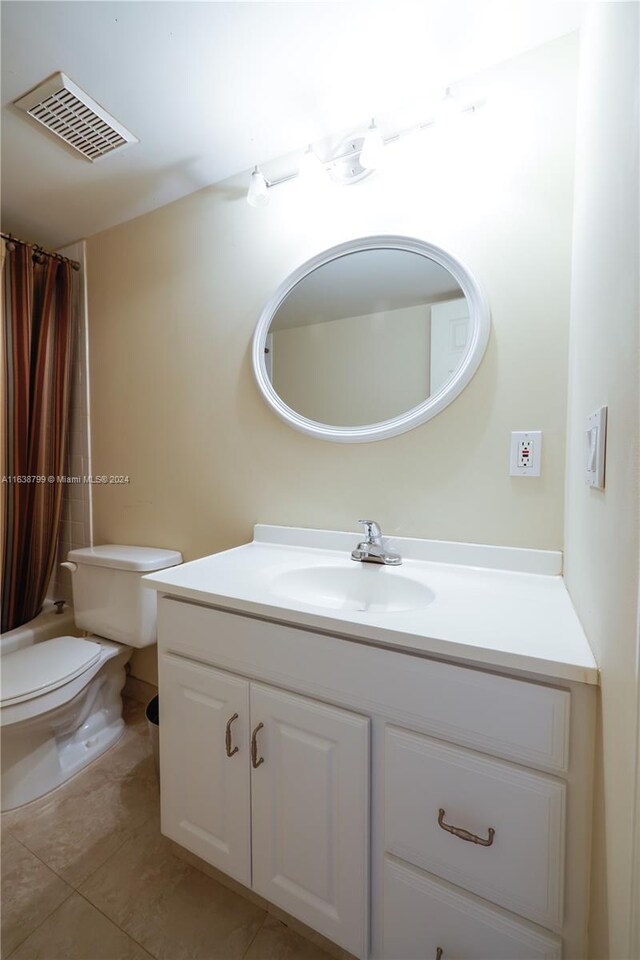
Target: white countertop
<point>494,606</point>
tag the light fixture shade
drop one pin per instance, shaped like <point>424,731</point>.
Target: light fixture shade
<point>372,148</point>
<point>449,107</point>
<point>258,194</point>
<point>311,167</point>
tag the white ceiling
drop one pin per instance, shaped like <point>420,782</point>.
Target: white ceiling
<point>210,88</point>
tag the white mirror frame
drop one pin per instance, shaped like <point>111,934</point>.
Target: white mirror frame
<point>480,329</point>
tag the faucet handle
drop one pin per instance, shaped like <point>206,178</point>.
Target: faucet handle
<point>372,529</point>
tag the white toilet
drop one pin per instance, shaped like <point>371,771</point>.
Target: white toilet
<point>60,702</point>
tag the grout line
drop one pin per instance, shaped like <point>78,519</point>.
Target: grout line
<point>57,872</point>
<point>43,862</point>
<point>55,909</point>
<point>104,862</point>
<point>38,925</point>
<point>117,925</point>
<point>253,939</point>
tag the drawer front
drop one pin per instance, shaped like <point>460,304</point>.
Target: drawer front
<point>520,866</point>
<point>514,719</point>
<point>423,915</point>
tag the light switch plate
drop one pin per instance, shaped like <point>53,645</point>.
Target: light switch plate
<point>526,453</point>
<point>595,442</point>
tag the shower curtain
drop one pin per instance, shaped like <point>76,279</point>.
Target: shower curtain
<point>38,303</point>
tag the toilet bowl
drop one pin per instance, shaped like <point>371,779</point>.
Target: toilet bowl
<point>60,704</point>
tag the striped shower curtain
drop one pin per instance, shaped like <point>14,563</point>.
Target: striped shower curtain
<point>37,327</point>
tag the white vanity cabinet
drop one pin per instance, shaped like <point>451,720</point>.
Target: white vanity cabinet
<point>405,807</point>
<point>271,788</point>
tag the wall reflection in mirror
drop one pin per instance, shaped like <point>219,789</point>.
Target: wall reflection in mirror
<point>367,337</point>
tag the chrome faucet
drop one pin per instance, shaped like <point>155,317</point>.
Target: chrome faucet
<point>372,549</point>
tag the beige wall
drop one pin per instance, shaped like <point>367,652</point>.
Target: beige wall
<point>601,559</point>
<point>174,297</point>
<point>355,370</point>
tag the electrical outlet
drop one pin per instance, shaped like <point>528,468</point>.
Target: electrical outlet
<point>524,456</point>
<point>526,453</point>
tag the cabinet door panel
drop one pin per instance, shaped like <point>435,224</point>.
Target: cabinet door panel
<point>422,914</point>
<point>206,793</point>
<point>310,813</point>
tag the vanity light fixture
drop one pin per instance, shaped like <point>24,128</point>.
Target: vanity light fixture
<point>449,107</point>
<point>372,148</point>
<point>311,166</point>
<point>258,189</point>
<point>358,156</point>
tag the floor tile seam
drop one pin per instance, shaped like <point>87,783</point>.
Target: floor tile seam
<point>69,893</point>
<point>264,920</point>
<point>115,924</point>
<point>103,863</point>
<point>53,869</point>
<point>43,862</point>
<point>76,884</point>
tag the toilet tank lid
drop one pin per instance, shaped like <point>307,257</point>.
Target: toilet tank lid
<point>123,557</point>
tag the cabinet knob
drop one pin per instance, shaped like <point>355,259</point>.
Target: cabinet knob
<point>255,761</point>
<point>464,834</point>
<point>227,737</point>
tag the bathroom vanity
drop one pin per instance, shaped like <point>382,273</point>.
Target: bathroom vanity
<point>399,757</point>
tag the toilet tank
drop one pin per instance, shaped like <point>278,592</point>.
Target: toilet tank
<point>108,596</point>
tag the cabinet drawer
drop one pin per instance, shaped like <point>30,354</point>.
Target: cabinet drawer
<point>423,914</point>
<point>520,867</point>
<point>514,719</point>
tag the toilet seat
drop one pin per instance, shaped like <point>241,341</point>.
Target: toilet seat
<point>56,693</point>
<point>43,667</point>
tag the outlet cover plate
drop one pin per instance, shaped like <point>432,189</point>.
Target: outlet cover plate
<point>526,453</point>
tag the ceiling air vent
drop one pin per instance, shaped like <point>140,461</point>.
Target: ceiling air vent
<point>66,110</point>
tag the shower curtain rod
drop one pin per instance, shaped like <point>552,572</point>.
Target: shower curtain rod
<point>40,250</point>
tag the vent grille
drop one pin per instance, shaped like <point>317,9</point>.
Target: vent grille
<point>71,114</point>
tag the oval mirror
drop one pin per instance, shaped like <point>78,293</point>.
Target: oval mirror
<point>370,338</point>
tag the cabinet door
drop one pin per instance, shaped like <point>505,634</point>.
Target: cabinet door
<point>204,761</point>
<point>310,813</point>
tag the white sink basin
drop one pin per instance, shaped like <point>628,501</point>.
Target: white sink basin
<point>361,587</point>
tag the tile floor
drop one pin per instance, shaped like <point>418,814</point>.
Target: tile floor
<point>86,875</point>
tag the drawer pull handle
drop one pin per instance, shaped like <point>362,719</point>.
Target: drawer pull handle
<point>227,736</point>
<point>464,834</point>
<point>255,761</point>
<point>439,953</point>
